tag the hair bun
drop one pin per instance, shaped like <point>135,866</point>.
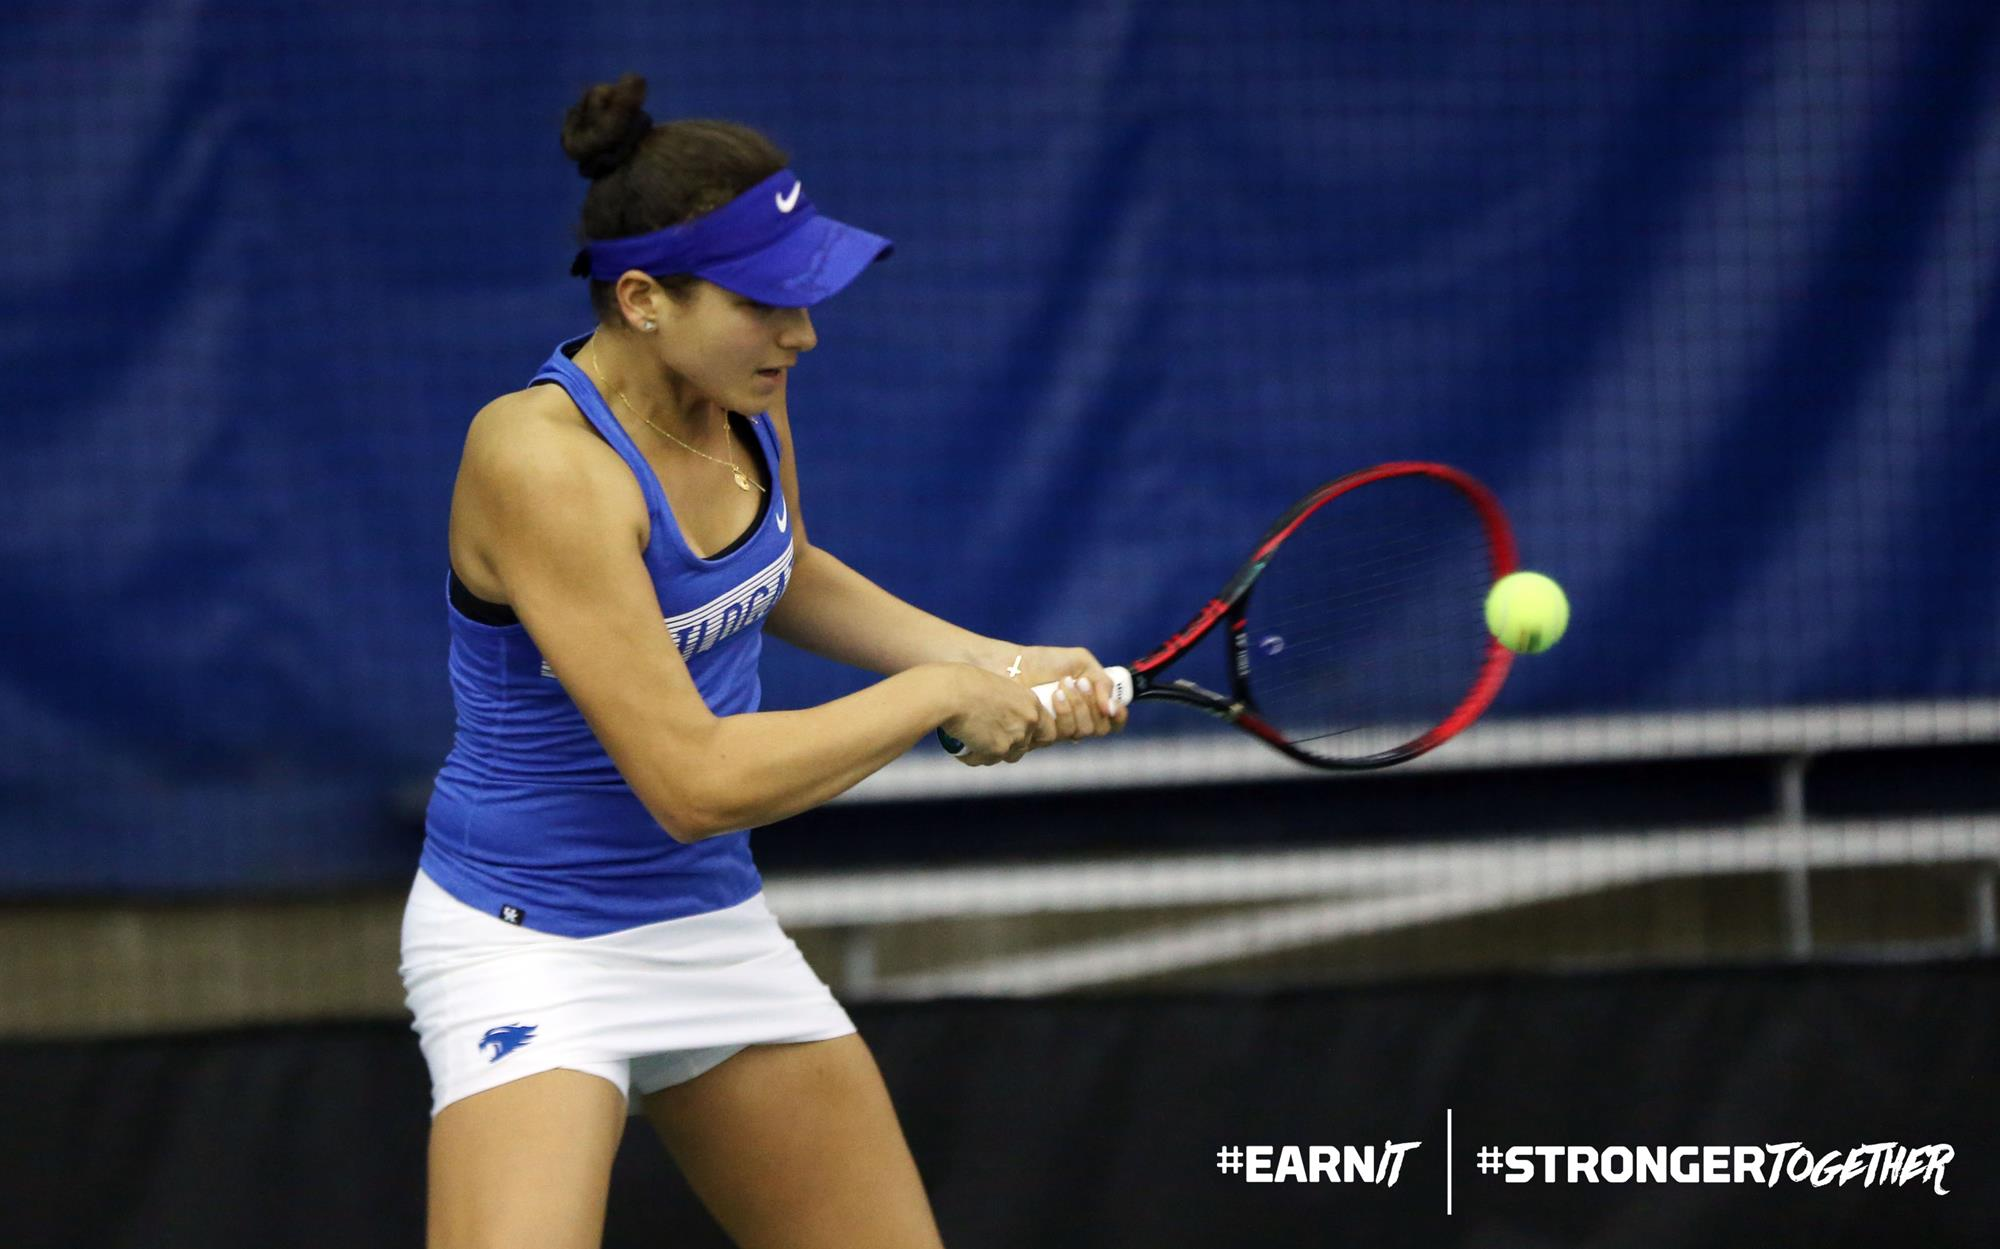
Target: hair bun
<point>606,126</point>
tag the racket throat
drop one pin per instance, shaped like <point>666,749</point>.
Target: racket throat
<point>1226,709</point>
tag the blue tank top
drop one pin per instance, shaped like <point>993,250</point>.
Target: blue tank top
<point>530,820</point>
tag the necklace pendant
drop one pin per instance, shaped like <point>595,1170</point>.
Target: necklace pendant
<point>742,482</point>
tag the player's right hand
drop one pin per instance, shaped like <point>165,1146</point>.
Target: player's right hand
<point>1001,719</point>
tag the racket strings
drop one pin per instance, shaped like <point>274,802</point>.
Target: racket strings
<point>1365,629</point>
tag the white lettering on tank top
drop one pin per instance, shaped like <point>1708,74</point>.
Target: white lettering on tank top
<point>728,613</point>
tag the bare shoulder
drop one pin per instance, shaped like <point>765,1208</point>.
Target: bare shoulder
<point>535,438</point>
<point>531,458</point>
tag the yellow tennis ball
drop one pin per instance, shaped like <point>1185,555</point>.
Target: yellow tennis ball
<point>1527,612</point>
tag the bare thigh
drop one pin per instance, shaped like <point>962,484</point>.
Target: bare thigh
<point>797,1147</point>
<point>528,1163</point>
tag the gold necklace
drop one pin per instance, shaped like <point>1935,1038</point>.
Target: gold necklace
<point>743,481</point>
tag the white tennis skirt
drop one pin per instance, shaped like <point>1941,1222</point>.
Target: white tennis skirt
<point>645,1008</point>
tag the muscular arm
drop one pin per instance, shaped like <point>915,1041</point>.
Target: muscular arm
<point>562,524</point>
<point>832,610</point>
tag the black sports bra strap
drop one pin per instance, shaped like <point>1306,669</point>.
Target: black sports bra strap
<point>499,615</point>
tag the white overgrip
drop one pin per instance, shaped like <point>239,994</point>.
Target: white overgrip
<point>1121,695</point>
<point>1121,688</point>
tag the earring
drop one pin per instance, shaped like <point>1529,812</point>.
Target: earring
<point>648,327</point>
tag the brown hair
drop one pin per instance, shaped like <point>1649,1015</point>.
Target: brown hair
<point>645,177</point>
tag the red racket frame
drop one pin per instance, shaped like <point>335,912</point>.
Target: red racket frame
<point>1239,708</point>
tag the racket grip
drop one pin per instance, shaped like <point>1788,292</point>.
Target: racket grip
<point>1121,696</point>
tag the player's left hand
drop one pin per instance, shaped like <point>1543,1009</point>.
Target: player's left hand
<point>1082,703</point>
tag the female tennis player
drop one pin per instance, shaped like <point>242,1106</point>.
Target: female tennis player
<point>586,937</point>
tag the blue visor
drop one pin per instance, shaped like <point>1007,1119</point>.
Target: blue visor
<point>769,244</point>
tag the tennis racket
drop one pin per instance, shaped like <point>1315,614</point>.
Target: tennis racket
<point>1355,629</point>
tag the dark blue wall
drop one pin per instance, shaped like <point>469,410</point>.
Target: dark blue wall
<point>1706,291</point>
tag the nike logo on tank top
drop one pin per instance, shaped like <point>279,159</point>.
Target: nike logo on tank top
<point>529,813</point>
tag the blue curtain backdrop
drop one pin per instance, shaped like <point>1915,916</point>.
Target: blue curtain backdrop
<point>1705,290</point>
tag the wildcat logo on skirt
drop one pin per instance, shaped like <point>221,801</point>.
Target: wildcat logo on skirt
<point>506,1039</point>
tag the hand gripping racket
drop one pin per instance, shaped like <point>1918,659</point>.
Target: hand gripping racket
<point>1355,629</point>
